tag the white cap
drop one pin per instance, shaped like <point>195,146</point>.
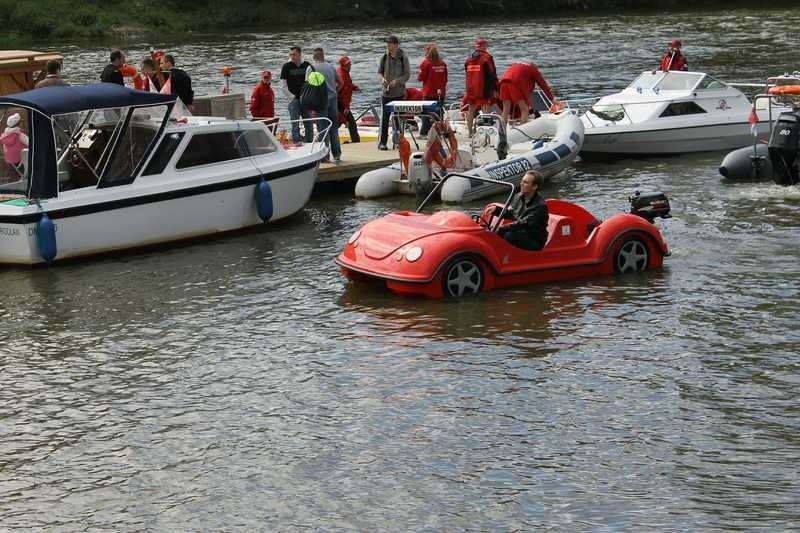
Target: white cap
<point>13,120</point>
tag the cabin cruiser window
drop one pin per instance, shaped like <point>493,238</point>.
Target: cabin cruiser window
<point>135,139</point>
<point>82,144</point>
<point>216,147</point>
<point>710,83</point>
<point>678,81</point>
<point>610,112</point>
<point>676,109</point>
<point>646,80</point>
<point>163,154</point>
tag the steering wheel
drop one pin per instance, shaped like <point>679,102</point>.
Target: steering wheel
<point>479,220</point>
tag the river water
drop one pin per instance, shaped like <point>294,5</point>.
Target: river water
<point>241,384</point>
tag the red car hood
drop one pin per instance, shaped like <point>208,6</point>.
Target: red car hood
<point>384,236</point>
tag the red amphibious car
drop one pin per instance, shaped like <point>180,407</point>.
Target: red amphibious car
<point>449,253</point>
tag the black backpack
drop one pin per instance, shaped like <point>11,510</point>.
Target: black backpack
<point>314,97</point>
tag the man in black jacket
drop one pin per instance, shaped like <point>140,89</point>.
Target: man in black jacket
<point>529,229</point>
<point>111,73</point>
<point>180,82</point>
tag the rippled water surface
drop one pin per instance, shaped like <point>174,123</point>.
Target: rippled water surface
<point>242,384</point>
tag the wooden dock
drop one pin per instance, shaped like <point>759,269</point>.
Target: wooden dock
<point>357,158</point>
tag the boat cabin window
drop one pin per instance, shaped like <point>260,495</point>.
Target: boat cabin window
<point>82,144</point>
<point>610,112</point>
<point>216,147</point>
<point>678,81</point>
<point>133,144</point>
<point>163,154</point>
<point>676,109</point>
<point>14,156</point>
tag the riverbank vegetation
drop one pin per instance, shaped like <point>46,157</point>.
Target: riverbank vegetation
<point>29,21</point>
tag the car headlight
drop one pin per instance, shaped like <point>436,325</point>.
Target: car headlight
<point>413,253</point>
<point>354,237</point>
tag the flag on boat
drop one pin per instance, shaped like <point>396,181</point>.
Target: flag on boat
<point>753,120</point>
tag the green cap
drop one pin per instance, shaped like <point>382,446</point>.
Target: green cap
<point>316,79</point>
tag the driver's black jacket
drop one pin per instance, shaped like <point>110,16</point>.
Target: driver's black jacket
<point>530,218</point>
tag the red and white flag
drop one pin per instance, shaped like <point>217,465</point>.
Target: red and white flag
<point>753,120</point>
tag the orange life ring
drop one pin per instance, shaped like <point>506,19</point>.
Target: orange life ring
<point>784,89</point>
<point>433,151</point>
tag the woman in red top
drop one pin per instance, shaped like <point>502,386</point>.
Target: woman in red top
<point>345,96</point>
<point>433,75</point>
<point>262,101</point>
<point>516,87</point>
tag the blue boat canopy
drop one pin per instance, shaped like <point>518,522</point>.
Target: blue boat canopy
<point>57,100</point>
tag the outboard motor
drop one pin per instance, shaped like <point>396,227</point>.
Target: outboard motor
<point>650,205</point>
<point>419,174</point>
<point>783,147</point>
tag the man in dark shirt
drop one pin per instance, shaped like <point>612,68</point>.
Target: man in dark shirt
<point>180,82</point>
<point>293,74</point>
<point>111,73</point>
<point>529,229</point>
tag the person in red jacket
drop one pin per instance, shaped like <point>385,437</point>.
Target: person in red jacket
<point>516,87</point>
<point>481,77</point>
<point>433,75</point>
<point>674,59</point>
<point>262,101</point>
<point>345,96</point>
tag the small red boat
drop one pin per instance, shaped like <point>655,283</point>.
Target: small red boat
<point>450,253</point>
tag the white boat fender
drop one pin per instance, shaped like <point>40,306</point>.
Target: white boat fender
<point>46,237</point>
<point>264,200</point>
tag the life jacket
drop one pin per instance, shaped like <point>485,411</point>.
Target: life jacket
<point>262,101</point>
<point>481,74</point>
<point>678,62</point>
<point>434,79</point>
<point>345,94</point>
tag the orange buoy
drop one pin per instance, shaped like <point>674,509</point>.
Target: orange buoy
<point>227,71</point>
<point>784,89</point>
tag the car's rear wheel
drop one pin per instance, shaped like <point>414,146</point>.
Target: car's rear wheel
<point>631,256</point>
<point>462,276</point>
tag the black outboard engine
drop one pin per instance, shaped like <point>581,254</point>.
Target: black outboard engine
<point>650,205</point>
<point>783,146</point>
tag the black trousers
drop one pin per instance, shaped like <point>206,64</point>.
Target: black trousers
<point>352,127</point>
<point>385,118</point>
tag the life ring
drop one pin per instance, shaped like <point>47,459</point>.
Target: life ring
<point>433,152</point>
<point>784,89</point>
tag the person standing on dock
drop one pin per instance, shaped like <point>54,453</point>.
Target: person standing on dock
<point>178,81</point>
<point>333,82</point>
<point>433,75</point>
<point>481,77</point>
<point>53,77</point>
<point>393,72</point>
<point>293,74</point>
<point>345,97</point>
<point>516,87</point>
<point>111,73</point>
<point>674,58</point>
<point>262,101</point>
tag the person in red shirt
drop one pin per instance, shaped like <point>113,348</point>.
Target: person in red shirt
<point>433,75</point>
<point>516,87</point>
<point>481,77</point>
<point>262,101</point>
<point>674,59</point>
<point>146,79</point>
<point>345,96</point>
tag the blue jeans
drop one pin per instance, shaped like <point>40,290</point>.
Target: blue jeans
<point>332,139</point>
<point>294,115</point>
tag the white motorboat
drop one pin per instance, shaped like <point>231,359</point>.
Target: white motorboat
<point>547,144</point>
<point>672,112</point>
<point>108,168</point>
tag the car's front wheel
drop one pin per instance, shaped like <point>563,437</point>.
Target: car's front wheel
<point>462,276</point>
<point>631,256</point>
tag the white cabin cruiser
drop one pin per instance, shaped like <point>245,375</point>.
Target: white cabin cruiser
<point>107,168</point>
<point>672,112</point>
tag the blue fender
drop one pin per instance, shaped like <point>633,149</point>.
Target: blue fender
<point>46,234</point>
<point>264,200</point>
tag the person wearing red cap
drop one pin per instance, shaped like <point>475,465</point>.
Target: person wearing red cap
<point>481,80</point>
<point>433,75</point>
<point>345,97</point>
<point>674,59</point>
<point>516,87</point>
<point>262,101</point>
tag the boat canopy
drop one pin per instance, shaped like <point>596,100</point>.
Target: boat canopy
<point>51,108</point>
<point>58,100</point>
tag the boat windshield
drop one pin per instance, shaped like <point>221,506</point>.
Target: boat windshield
<point>646,80</point>
<point>679,81</point>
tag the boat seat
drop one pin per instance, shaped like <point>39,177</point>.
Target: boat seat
<point>561,231</point>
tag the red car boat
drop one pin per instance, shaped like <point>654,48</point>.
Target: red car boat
<point>450,253</point>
